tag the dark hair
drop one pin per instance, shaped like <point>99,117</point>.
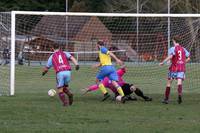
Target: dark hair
<point>177,39</point>
<point>56,46</point>
<point>101,43</point>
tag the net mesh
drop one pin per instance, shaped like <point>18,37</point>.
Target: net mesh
<point>5,24</point>
<point>140,45</point>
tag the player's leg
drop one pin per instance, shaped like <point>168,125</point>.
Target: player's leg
<point>69,94</point>
<point>167,91</point>
<point>170,78</point>
<point>139,93</point>
<point>61,95</point>
<point>60,85</point>
<point>100,76</point>
<point>119,90</point>
<point>180,77</point>
<point>114,78</point>
<point>66,89</point>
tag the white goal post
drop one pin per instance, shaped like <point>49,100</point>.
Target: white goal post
<point>13,29</point>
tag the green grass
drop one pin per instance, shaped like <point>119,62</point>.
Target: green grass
<point>32,111</point>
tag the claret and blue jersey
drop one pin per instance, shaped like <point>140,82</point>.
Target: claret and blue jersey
<point>177,68</point>
<point>60,62</point>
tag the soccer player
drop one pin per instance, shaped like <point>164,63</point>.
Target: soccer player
<point>107,70</point>
<point>59,60</point>
<point>179,56</point>
<point>127,88</point>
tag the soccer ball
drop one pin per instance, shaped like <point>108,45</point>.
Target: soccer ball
<point>118,98</point>
<point>51,92</point>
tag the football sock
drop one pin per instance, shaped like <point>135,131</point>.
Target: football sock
<point>167,92</point>
<point>180,90</point>
<point>139,93</point>
<point>102,88</point>
<point>66,91</point>
<point>120,91</point>
<point>62,97</point>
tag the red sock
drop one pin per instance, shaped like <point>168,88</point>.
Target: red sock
<point>167,92</point>
<point>62,97</point>
<point>180,90</point>
<point>65,90</point>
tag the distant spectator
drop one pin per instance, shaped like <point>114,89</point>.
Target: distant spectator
<point>6,56</point>
<point>20,58</point>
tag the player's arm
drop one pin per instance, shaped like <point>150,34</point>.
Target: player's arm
<point>96,65</point>
<point>92,88</point>
<point>187,55</point>
<point>188,59</point>
<point>48,66</point>
<point>115,57</point>
<point>170,53</point>
<point>75,62</point>
<point>166,60</point>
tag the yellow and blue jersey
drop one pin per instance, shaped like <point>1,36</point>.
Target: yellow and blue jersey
<point>107,69</point>
<point>104,57</point>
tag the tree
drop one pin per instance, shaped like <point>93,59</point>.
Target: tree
<point>32,5</point>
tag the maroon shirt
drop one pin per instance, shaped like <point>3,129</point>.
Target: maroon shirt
<point>60,62</point>
<point>179,59</point>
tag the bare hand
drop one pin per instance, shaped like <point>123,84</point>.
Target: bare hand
<point>95,65</point>
<point>161,64</point>
<point>120,62</point>
<point>86,90</point>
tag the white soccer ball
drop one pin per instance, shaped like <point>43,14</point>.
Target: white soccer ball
<point>51,92</point>
<point>118,98</point>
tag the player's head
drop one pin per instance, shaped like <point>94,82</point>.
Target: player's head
<point>176,40</point>
<point>132,88</point>
<point>56,47</point>
<point>100,43</point>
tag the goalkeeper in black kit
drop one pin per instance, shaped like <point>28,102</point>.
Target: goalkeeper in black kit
<point>129,89</point>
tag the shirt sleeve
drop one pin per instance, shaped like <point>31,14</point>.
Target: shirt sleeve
<point>104,50</point>
<point>49,62</point>
<point>121,72</point>
<point>93,87</point>
<point>187,54</point>
<point>68,55</point>
<point>171,51</point>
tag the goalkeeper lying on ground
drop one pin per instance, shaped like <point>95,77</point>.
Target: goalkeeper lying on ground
<point>127,88</point>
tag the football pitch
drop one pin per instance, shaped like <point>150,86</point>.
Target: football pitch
<point>31,110</point>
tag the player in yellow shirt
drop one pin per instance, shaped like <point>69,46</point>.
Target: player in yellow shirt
<point>107,70</point>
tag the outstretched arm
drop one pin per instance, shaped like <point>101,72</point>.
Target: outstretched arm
<point>166,59</point>
<point>96,65</point>
<point>75,62</point>
<point>48,66</point>
<point>116,59</point>
<point>45,70</point>
<point>188,59</point>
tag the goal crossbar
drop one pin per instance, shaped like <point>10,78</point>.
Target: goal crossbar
<point>105,14</point>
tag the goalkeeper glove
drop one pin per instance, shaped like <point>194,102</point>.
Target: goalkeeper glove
<point>77,67</point>
<point>45,70</point>
<point>43,73</point>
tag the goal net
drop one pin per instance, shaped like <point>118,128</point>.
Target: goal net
<point>140,40</point>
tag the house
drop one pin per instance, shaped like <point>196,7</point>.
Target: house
<point>75,33</point>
